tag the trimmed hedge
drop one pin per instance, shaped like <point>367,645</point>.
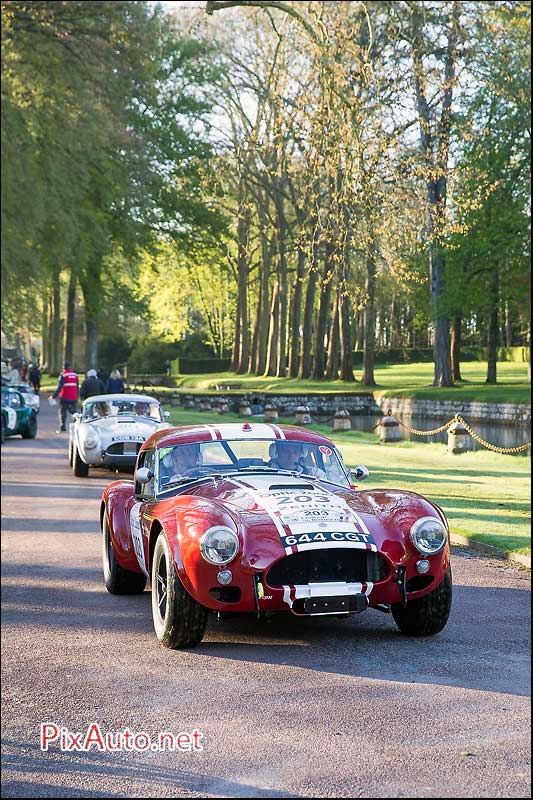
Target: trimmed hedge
<point>404,355</point>
<point>199,366</point>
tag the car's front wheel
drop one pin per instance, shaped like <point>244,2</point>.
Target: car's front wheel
<point>179,621</point>
<point>427,615</point>
<point>118,580</point>
<point>80,468</point>
<point>30,431</point>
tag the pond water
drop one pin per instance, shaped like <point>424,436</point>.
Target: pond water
<point>500,435</point>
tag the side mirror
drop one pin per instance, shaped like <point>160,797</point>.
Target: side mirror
<point>360,473</point>
<point>144,475</point>
<point>166,414</point>
<point>76,417</point>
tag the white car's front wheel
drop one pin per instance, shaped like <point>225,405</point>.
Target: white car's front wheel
<point>80,468</point>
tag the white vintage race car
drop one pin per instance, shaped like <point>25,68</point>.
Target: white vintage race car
<point>110,430</point>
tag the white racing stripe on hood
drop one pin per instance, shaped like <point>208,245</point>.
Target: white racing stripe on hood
<point>254,430</point>
<point>315,517</point>
<point>275,519</point>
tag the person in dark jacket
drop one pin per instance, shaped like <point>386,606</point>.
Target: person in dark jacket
<point>114,383</point>
<point>92,385</point>
<point>34,374</point>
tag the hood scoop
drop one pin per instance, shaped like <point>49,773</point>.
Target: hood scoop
<point>292,486</point>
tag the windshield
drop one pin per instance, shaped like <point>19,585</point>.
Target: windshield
<point>186,462</point>
<point>122,408</point>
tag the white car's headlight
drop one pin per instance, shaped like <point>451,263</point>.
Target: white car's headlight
<point>429,535</point>
<point>91,440</point>
<point>219,545</point>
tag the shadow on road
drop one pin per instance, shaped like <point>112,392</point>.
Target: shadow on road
<point>484,630</point>
<point>102,768</point>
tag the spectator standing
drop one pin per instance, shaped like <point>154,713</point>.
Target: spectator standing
<point>92,385</point>
<point>115,384</point>
<point>34,376</point>
<point>67,391</point>
<point>13,374</point>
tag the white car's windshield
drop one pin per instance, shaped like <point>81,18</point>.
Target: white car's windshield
<point>190,461</point>
<point>120,408</point>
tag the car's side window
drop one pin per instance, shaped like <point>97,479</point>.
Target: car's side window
<point>146,490</point>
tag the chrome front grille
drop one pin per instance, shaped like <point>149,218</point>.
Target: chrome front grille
<point>332,564</point>
<point>117,449</point>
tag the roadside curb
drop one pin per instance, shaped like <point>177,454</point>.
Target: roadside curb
<point>490,550</point>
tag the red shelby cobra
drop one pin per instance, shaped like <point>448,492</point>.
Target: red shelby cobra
<point>265,518</point>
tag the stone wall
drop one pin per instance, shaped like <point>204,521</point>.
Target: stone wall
<point>321,404</point>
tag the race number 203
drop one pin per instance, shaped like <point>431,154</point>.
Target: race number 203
<point>353,537</point>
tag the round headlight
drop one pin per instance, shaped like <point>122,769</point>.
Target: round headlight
<point>91,440</point>
<point>219,545</point>
<point>428,534</point>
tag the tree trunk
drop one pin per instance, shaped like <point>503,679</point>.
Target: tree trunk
<point>360,330</point>
<point>49,346</point>
<point>55,328</point>
<point>295,315</point>
<point>306,353</point>
<point>260,360</point>
<point>43,360</point>
<point>273,333</point>
<point>91,286</point>
<point>367,378</point>
<point>281,365</point>
<point>492,333</point>
<point>71,311</point>
<point>332,365</point>
<point>236,348</point>
<point>457,327</point>
<point>508,326</point>
<point>345,331</point>
<point>529,354</point>
<point>323,312</point>
<point>243,270</point>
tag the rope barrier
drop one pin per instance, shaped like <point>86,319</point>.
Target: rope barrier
<point>458,418</point>
<point>427,433</point>
<point>488,445</point>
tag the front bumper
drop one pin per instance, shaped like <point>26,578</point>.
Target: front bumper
<point>303,585</point>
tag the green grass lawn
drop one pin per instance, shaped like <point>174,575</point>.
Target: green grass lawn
<point>398,380</point>
<point>486,496</point>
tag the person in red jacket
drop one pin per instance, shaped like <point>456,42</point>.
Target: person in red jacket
<point>67,391</point>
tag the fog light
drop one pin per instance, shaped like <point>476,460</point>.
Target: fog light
<point>422,566</point>
<point>225,577</point>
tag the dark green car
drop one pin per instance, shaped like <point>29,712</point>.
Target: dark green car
<point>17,416</point>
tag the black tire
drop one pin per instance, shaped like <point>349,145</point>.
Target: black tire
<point>3,432</point>
<point>429,614</point>
<point>179,621</point>
<point>118,580</point>
<point>30,431</point>
<point>80,468</point>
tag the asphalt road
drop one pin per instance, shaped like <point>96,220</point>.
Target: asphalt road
<point>318,708</point>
